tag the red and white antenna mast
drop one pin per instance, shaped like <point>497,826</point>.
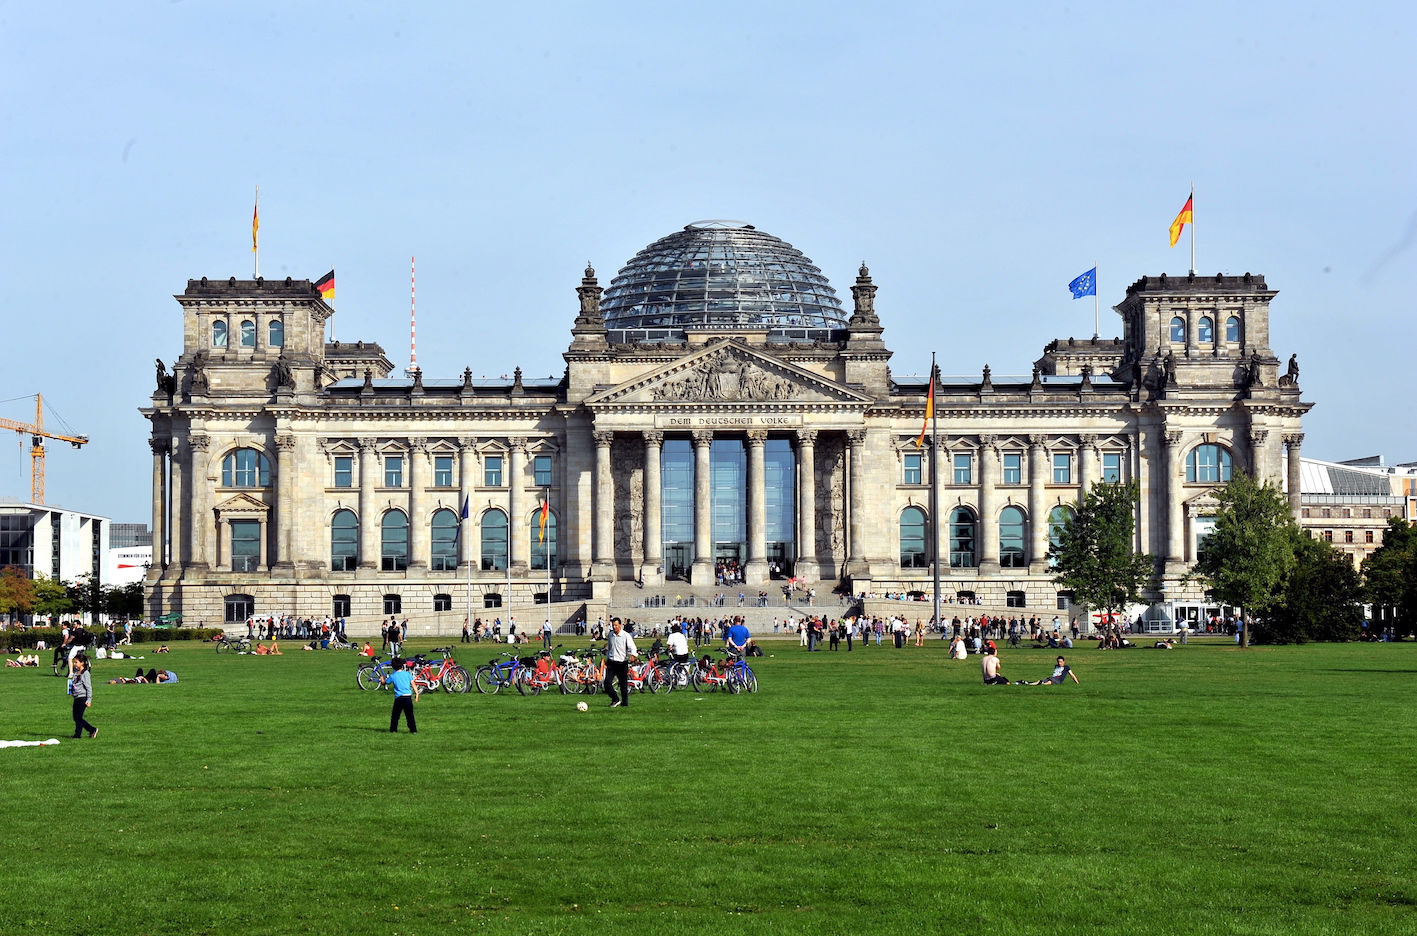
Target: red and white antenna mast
<point>412,369</point>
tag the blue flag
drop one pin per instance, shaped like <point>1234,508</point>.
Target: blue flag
<point>1085,284</point>
<point>457,531</point>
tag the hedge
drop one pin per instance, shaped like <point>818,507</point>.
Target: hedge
<point>17,640</point>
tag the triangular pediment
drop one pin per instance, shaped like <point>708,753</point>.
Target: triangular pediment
<point>242,504</point>
<point>728,373</point>
<point>1202,504</point>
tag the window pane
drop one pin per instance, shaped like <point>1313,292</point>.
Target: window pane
<point>1112,467</point>
<point>541,468</point>
<point>394,542</point>
<point>344,541</point>
<point>494,541</point>
<point>442,471</point>
<point>962,538</point>
<point>912,469</point>
<point>780,492</point>
<point>543,549</point>
<point>1062,469</point>
<point>1205,331</point>
<point>963,475</point>
<point>344,471</point>
<point>1011,533</point>
<point>277,335</point>
<point>1013,468</point>
<point>218,334</point>
<point>912,539</point>
<point>1232,329</point>
<point>1178,330</point>
<point>676,472</point>
<point>445,542</point>
<point>245,545</point>
<point>492,471</point>
<point>248,334</point>
<point>393,471</point>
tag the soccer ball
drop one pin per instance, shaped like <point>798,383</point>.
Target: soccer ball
<point>582,707</point>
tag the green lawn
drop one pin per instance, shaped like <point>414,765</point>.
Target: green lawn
<point>1206,790</point>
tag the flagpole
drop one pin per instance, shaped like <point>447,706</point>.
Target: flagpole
<point>935,493</point>
<point>1096,322</point>
<point>546,495</point>
<point>1193,227</point>
<point>466,548</point>
<point>255,239</point>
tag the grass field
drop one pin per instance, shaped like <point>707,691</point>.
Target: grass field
<point>1206,790</point>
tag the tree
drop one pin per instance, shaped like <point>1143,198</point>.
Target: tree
<point>1320,599</point>
<point>1390,572</point>
<point>1248,555</point>
<point>16,591</point>
<point>1095,556</point>
<point>123,601</point>
<point>51,598</point>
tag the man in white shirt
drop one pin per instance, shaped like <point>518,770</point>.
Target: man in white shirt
<point>619,651</point>
<point>678,644</point>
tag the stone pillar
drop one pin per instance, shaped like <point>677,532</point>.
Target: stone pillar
<point>202,526</point>
<point>160,449</point>
<point>467,465</point>
<point>808,566</point>
<point>179,518</point>
<point>856,565</point>
<point>988,508</point>
<point>1037,506</point>
<point>1087,464</point>
<point>420,534</point>
<point>263,561</point>
<point>1292,443</point>
<point>1175,511</point>
<point>650,571</point>
<point>755,572</point>
<point>1259,466</point>
<point>368,522</point>
<point>519,533</point>
<point>702,572</point>
<point>603,555</point>
<point>283,517</point>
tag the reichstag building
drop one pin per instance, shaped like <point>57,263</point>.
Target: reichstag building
<point>721,411</point>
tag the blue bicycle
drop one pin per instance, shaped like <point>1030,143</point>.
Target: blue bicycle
<point>490,679</point>
<point>374,675</point>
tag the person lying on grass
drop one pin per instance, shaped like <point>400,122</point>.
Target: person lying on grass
<point>31,659</point>
<point>1061,673</point>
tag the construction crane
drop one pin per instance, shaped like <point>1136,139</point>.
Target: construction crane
<point>37,436</point>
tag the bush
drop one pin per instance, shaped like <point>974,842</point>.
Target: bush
<point>17,640</point>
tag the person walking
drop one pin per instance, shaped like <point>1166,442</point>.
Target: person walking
<point>619,651</point>
<point>405,694</point>
<point>81,687</point>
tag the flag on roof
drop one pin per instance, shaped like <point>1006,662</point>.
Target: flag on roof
<point>326,285</point>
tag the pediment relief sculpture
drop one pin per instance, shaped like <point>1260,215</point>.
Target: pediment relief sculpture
<point>728,378</point>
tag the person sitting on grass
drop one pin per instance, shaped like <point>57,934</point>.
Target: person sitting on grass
<point>989,666</point>
<point>162,649</point>
<point>1061,673</point>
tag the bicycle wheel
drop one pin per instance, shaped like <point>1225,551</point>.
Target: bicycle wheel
<point>486,680</point>
<point>699,682</point>
<point>367,677</point>
<point>222,646</point>
<point>456,680</point>
<point>520,681</point>
<point>570,680</point>
<point>750,681</point>
<point>651,681</point>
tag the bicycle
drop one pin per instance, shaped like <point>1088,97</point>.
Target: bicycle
<point>225,644</point>
<point>490,679</point>
<point>542,672</point>
<point>443,673</point>
<point>676,675</point>
<point>585,674</point>
<point>374,675</point>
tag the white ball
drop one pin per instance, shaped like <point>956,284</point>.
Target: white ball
<point>582,707</point>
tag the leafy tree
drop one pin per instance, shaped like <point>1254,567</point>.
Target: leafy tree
<point>16,591</point>
<point>51,598</point>
<point>123,601</point>
<point>1320,599</point>
<point>1390,571</point>
<point>1248,555</point>
<point>1094,555</point>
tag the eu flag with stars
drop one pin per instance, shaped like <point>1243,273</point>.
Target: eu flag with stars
<point>1085,284</point>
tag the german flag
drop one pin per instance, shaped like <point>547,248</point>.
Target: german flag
<point>326,285</point>
<point>545,509</point>
<point>1182,219</point>
<point>255,227</point>
<point>929,410</point>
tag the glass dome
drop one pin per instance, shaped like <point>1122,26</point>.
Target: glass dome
<point>721,273</point>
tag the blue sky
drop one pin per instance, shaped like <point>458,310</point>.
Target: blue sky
<point>978,157</point>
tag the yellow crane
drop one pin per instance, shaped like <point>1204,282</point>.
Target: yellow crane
<point>37,436</point>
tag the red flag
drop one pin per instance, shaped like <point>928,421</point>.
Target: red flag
<point>929,410</point>
<point>545,509</point>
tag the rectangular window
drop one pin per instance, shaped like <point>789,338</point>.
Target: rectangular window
<point>1328,536</point>
<point>1013,468</point>
<point>912,469</point>
<point>1348,536</point>
<point>442,603</point>
<point>393,471</point>
<point>245,545</point>
<point>1368,536</point>
<point>340,606</point>
<point>492,471</point>
<point>541,468</point>
<point>393,604</point>
<point>1367,513</point>
<point>344,471</point>
<point>1112,467</point>
<point>1347,513</point>
<point>442,471</point>
<point>963,470</point>
<point>1062,468</point>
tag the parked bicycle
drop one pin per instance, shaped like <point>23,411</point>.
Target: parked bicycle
<point>490,679</point>
<point>228,644</point>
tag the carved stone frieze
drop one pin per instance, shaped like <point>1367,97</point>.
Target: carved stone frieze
<point>729,377</point>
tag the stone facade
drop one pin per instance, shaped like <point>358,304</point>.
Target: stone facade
<point>265,439</point>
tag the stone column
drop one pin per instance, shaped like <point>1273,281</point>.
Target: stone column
<point>988,509</point>
<point>160,449</point>
<point>179,519</point>
<point>467,465</point>
<point>1175,511</point>
<point>650,572</point>
<point>702,572</point>
<point>202,526</point>
<point>420,534</point>
<point>1258,466</point>
<point>808,566</point>
<point>603,556</point>
<point>1292,443</point>
<point>519,539</point>
<point>1087,464</point>
<point>283,517</point>
<point>755,572</point>
<point>856,565</point>
<point>1037,507</point>
<point>368,522</point>
<point>264,559</point>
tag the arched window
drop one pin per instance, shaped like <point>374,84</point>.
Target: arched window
<point>913,554</point>
<point>218,334</point>
<point>393,542</point>
<point>1208,464</point>
<point>277,334</point>
<point>494,541</point>
<point>1205,330</point>
<point>1011,532</point>
<point>344,541</point>
<point>1058,520</point>
<point>445,542</point>
<point>245,468</point>
<point>1232,329</point>
<point>1178,330</point>
<point>962,538</point>
<point>248,334</point>
<point>541,549</point>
